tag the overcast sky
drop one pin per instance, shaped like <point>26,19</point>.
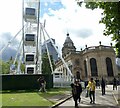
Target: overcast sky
<point>61,16</point>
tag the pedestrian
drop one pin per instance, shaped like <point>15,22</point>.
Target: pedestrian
<point>74,94</point>
<point>114,83</point>
<point>103,86</point>
<point>39,81</point>
<point>78,88</point>
<point>97,83</point>
<point>42,84</point>
<point>86,83</point>
<point>91,87</point>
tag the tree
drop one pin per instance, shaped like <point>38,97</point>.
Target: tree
<point>4,67</point>
<point>22,67</point>
<point>46,69</point>
<point>111,19</point>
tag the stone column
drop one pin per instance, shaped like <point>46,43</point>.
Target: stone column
<point>88,67</point>
<point>101,66</point>
<point>104,67</point>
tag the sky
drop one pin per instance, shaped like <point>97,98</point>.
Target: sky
<point>61,16</point>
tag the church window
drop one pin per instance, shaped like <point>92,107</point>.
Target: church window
<point>109,66</point>
<point>93,66</point>
<point>85,67</point>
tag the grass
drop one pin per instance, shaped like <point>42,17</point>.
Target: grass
<point>24,99</point>
<point>30,98</point>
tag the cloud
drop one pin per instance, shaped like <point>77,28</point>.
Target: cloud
<point>48,6</point>
<point>82,24</point>
<point>11,49</point>
<point>11,17</point>
<point>82,33</point>
<point>5,38</point>
<point>6,56</point>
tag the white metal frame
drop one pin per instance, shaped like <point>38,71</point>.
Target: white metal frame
<point>28,27</point>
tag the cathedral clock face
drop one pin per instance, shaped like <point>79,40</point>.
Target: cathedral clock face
<point>77,61</point>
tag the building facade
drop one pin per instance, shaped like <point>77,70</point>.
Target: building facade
<point>95,61</point>
<point>51,49</point>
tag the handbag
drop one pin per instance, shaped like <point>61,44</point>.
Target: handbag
<point>87,93</point>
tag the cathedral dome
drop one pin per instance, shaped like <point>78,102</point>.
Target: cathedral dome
<point>68,46</point>
<point>68,40</point>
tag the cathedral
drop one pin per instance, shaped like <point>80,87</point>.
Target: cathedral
<point>95,61</point>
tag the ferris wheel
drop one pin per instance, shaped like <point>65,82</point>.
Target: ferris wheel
<point>31,51</point>
<point>30,46</point>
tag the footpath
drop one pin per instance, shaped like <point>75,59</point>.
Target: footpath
<point>110,100</point>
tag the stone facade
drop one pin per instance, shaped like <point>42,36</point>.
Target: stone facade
<point>95,61</point>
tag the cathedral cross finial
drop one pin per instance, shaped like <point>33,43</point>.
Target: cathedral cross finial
<point>67,34</point>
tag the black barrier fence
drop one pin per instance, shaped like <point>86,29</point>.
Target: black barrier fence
<point>24,81</point>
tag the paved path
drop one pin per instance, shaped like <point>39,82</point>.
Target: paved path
<point>109,100</point>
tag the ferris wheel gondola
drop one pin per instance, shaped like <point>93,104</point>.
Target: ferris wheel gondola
<point>30,69</point>
<point>30,14</point>
<point>30,58</point>
<point>30,40</point>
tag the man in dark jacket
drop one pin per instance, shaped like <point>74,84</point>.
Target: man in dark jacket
<point>76,92</point>
<point>114,83</point>
<point>103,86</point>
<point>78,88</point>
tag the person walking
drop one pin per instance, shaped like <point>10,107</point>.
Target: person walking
<point>74,94</point>
<point>39,81</point>
<point>91,87</point>
<point>103,86</point>
<point>78,88</point>
<point>114,83</point>
<point>97,83</point>
<point>42,84</point>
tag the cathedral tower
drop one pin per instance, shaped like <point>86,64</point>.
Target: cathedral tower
<point>68,46</point>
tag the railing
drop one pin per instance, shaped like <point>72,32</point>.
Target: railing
<point>61,84</point>
<point>101,47</point>
<point>65,84</point>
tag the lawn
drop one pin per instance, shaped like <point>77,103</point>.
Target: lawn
<point>30,98</point>
<point>24,99</point>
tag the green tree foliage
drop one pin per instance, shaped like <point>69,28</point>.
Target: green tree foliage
<point>22,67</point>
<point>111,19</point>
<point>46,69</point>
<point>5,66</point>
